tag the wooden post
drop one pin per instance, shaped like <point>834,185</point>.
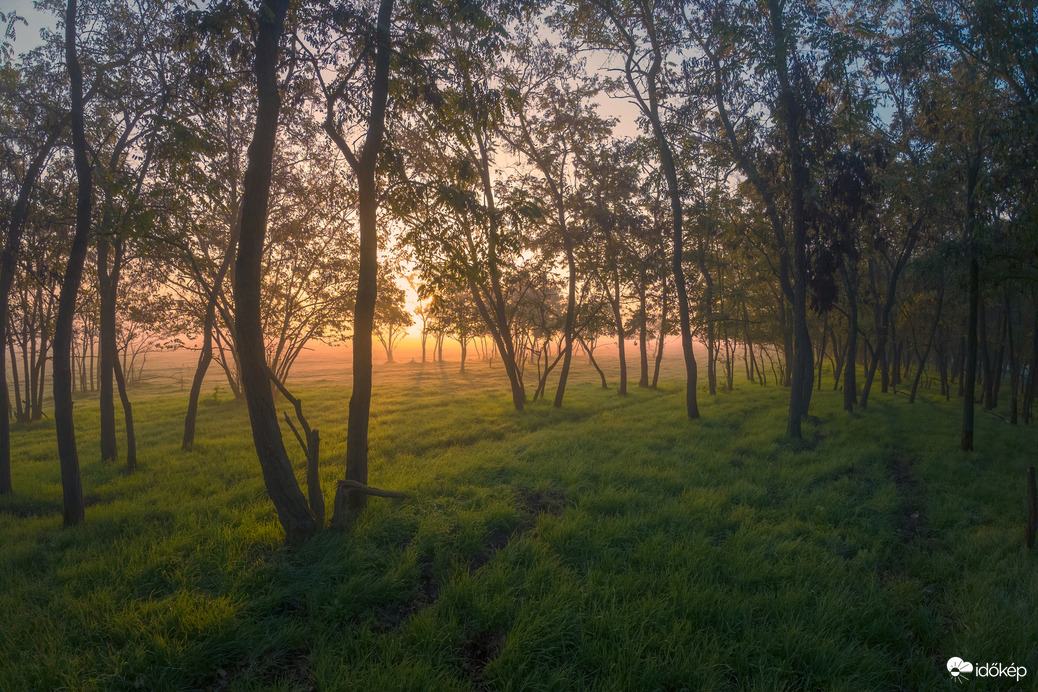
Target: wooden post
<point>1032,507</point>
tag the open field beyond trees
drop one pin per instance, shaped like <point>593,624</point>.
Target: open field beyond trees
<point>608,545</point>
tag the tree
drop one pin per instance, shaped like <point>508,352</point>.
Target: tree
<point>773,79</point>
<point>72,488</point>
<point>40,125</point>
<point>645,36</point>
<point>552,119</point>
<point>292,508</point>
<point>391,317</point>
<point>466,226</point>
<point>374,61</point>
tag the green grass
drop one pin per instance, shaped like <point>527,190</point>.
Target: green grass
<point>609,545</point>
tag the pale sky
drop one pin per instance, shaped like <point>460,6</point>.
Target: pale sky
<point>27,36</point>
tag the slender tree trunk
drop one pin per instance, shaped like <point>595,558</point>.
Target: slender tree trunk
<point>205,357</point>
<point>643,331</point>
<point>131,434</point>
<point>960,364</point>
<point>367,282</point>
<point>986,387</point>
<point>929,345</point>
<point>360,400</point>
<point>661,339</point>
<point>839,354</point>
<point>571,309</point>
<point>590,356</point>
<point>618,322</point>
<point>711,329</point>
<point>107,347</point>
<point>1014,366</point>
<point>19,415</point>
<point>684,313</point>
<point>821,351</point>
<point>73,509</point>
<point>969,367</point>
<point>41,377</point>
<point>1032,374</point>
<point>969,386</point>
<point>282,486</point>
<point>998,365</point>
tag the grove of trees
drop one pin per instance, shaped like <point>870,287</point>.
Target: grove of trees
<point>835,194</point>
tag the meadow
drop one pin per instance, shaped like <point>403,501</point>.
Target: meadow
<point>607,545</point>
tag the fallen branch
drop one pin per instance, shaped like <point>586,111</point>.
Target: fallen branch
<point>368,490</point>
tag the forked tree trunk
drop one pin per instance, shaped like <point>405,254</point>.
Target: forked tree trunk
<point>929,345</point>
<point>591,357</point>
<point>205,356</point>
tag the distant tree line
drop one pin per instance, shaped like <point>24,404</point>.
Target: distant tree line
<point>842,191</point>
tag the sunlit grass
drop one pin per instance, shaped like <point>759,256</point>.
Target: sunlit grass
<point>607,545</point>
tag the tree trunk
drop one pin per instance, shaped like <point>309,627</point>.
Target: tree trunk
<point>684,314</point>
<point>282,486</point>
<point>590,356</point>
<point>821,350</point>
<point>643,331</point>
<point>107,299</point>
<point>19,414</point>
<point>618,323</point>
<point>205,356</point>
<point>708,311</point>
<point>661,339</point>
<point>571,308</point>
<point>960,364</point>
<point>1032,372</point>
<point>986,387</point>
<point>999,362</point>
<point>929,345</point>
<point>347,501</point>
<point>1014,367</point>
<point>73,509</point>
<point>969,373</point>
<point>131,435</point>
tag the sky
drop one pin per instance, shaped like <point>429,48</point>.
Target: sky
<point>27,36</point>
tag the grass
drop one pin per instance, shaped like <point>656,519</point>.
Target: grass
<point>609,545</point>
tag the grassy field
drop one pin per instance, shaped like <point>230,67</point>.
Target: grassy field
<point>609,545</point>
